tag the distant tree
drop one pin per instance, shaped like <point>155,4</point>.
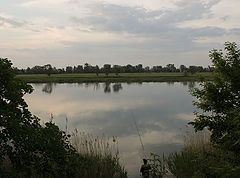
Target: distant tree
<point>139,68</point>
<point>220,100</point>
<point>157,68</point>
<point>28,70</point>
<point>69,69</point>
<point>48,69</point>
<point>195,69</point>
<point>78,69</point>
<point>107,68</point>
<point>147,69</point>
<point>61,71</point>
<point>86,68</point>
<point>183,68</point>
<point>116,69</point>
<point>97,70</point>
<point>170,68</point>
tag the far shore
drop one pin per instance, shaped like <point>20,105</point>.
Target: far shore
<point>122,77</point>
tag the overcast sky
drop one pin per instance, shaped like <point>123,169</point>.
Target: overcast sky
<point>150,32</point>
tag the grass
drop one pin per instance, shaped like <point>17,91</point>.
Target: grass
<point>101,156</point>
<point>198,159</point>
<point>96,158</point>
<point>123,77</point>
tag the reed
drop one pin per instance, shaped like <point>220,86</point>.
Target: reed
<point>101,155</point>
<point>198,158</point>
<point>197,140</point>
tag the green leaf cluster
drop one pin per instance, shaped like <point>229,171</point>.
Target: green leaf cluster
<point>28,148</point>
<point>219,100</point>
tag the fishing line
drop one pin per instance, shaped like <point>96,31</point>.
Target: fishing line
<point>140,138</point>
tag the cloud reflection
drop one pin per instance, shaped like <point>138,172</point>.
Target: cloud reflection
<point>160,111</point>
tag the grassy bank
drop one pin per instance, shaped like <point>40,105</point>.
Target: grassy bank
<point>100,155</point>
<point>95,157</point>
<point>123,77</point>
<point>198,159</point>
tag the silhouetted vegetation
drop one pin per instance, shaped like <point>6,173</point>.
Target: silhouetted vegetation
<point>29,149</point>
<point>199,159</point>
<point>218,103</point>
<point>114,69</point>
<point>219,100</point>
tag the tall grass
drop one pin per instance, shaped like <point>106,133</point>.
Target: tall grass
<point>198,159</point>
<point>101,155</point>
<point>196,140</point>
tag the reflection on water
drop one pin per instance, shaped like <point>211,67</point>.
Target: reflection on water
<point>160,110</point>
<point>48,87</point>
<point>107,87</point>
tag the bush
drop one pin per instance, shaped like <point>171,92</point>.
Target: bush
<point>29,149</point>
<point>198,159</point>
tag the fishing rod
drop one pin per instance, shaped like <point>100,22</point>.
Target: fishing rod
<point>140,138</point>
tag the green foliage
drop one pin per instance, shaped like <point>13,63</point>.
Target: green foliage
<point>107,68</point>
<point>29,149</point>
<point>158,165</point>
<point>198,159</point>
<point>206,161</point>
<point>220,100</point>
<point>218,103</point>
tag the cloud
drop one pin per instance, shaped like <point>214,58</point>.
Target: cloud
<point>155,27</point>
<point>149,5</point>
<point>118,31</point>
<point>41,3</point>
<point>224,14</point>
<point>137,20</point>
<point>6,21</point>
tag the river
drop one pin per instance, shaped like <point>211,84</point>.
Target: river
<point>160,111</point>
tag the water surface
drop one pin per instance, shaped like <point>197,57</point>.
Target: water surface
<point>161,112</point>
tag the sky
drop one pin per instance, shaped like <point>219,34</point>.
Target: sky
<point>148,32</point>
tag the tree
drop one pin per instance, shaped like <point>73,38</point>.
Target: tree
<point>107,68</point>
<point>183,68</point>
<point>139,68</point>
<point>48,69</point>
<point>86,68</point>
<point>29,148</point>
<point>97,70</point>
<point>170,68</point>
<point>69,69</point>
<point>219,100</point>
<point>116,69</point>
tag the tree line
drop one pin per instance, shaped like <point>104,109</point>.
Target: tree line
<point>108,68</point>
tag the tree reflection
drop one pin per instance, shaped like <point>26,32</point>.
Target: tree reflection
<point>191,85</point>
<point>185,83</point>
<point>48,88</point>
<point>116,87</point>
<point>170,83</point>
<point>96,86</point>
<point>107,87</point>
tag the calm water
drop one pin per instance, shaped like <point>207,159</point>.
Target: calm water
<point>160,110</point>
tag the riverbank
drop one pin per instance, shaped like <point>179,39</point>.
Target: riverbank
<point>198,158</point>
<point>123,77</point>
